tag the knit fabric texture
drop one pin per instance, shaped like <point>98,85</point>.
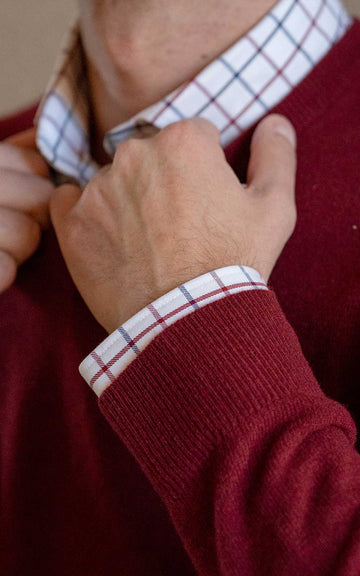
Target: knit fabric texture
<point>228,446</point>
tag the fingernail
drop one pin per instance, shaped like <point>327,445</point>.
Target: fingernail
<point>286,129</point>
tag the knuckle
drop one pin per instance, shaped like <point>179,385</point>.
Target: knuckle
<point>179,133</point>
<point>92,188</point>
<point>127,154</point>
<point>72,239</point>
<point>79,229</point>
<point>74,233</point>
<point>95,197</point>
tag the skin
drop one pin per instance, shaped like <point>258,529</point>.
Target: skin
<point>127,44</point>
<point>155,218</point>
<point>25,190</point>
<point>138,51</point>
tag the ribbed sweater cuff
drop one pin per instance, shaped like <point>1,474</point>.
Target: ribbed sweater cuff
<point>204,380</point>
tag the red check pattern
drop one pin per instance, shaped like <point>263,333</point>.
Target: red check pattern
<point>253,76</point>
<point>233,92</point>
<point>114,354</point>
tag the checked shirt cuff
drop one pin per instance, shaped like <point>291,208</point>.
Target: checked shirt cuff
<point>105,364</point>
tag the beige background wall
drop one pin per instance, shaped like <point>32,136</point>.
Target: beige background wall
<point>30,33</point>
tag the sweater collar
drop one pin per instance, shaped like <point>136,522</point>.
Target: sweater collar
<point>234,91</point>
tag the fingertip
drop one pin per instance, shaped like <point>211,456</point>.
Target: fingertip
<point>278,125</point>
<point>285,128</point>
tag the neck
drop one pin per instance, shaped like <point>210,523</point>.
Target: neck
<point>138,51</point>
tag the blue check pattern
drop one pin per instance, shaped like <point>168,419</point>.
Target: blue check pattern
<point>114,354</point>
<point>234,91</point>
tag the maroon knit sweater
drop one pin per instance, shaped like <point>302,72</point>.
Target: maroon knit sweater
<point>219,450</point>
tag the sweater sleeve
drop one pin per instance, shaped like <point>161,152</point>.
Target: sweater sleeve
<point>257,467</point>
<point>104,364</point>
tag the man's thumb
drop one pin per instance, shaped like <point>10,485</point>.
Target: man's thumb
<point>62,202</point>
<point>273,157</point>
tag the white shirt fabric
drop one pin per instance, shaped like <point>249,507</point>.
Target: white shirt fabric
<point>234,91</point>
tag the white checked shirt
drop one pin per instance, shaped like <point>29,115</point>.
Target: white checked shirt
<point>234,92</point>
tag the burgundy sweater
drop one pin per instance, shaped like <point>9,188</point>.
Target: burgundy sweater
<point>228,446</point>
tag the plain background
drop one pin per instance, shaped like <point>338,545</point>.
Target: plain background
<point>30,35</point>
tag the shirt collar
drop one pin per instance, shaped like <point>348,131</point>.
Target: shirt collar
<point>234,91</point>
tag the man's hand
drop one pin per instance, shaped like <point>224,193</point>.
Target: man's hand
<point>170,208</point>
<point>25,191</point>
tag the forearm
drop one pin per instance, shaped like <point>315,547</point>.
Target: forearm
<point>256,466</point>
